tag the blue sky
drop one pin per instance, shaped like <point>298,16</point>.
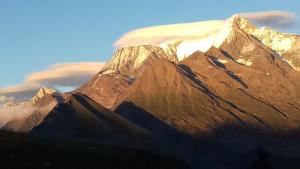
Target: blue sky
<point>37,33</point>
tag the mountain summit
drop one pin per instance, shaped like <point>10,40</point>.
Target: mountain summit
<point>42,93</point>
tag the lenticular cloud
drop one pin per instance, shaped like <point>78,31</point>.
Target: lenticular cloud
<point>158,35</point>
<point>62,75</point>
<point>277,19</point>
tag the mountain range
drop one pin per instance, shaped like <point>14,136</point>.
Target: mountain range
<point>225,100</point>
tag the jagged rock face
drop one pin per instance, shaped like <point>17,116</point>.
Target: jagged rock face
<point>108,86</point>
<point>126,59</point>
<point>110,89</point>
<point>36,110</point>
<point>264,71</point>
<point>292,56</point>
<point>286,45</point>
<point>171,49</point>
<point>35,100</point>
<point>43,92</point>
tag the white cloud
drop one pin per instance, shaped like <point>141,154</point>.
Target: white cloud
<point>277,18</point>
<point>59,75</point>
<point>5,99</point>
<point>157,35</point>
<point>160,34</point>
<point>22,111</point>
<point>9,113</point>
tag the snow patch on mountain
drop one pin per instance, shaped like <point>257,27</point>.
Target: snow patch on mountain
<point>203,44</point>
<point>277,41</point>
<point>132,57</point>
<point>244,62</point>
<point>223,61</point>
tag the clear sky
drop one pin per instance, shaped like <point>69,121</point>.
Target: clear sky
<point>37,33</point>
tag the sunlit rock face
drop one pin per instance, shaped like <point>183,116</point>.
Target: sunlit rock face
<point>127,59</point>
<point>42,92</point>
<point>286,45</point>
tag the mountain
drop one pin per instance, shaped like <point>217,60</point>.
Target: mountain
<point>42,93</point>
<point>34,111</point>
<point>286,45</point>
<point>129,58</point>
<point>214,101</point>
<point>241,67</point>
<point>120,72</point>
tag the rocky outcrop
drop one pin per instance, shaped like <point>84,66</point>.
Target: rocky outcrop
<point>126,59</point>
<point>42,93</point>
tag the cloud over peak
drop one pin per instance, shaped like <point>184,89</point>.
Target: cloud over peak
<point>59,75</point>
<point>276,18</point>
<point>157,35</point>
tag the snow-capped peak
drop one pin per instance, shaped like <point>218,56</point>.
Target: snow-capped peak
<point>42,92</point>
<point>129,58</point>
<point>279,42</point>
<point>215,38</point>
<point>182,40</point>
<point>238,21</point>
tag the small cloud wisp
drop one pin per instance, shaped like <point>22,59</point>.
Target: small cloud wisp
<point>276,19</point>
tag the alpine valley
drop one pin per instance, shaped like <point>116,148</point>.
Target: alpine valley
<point>224,98</point>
